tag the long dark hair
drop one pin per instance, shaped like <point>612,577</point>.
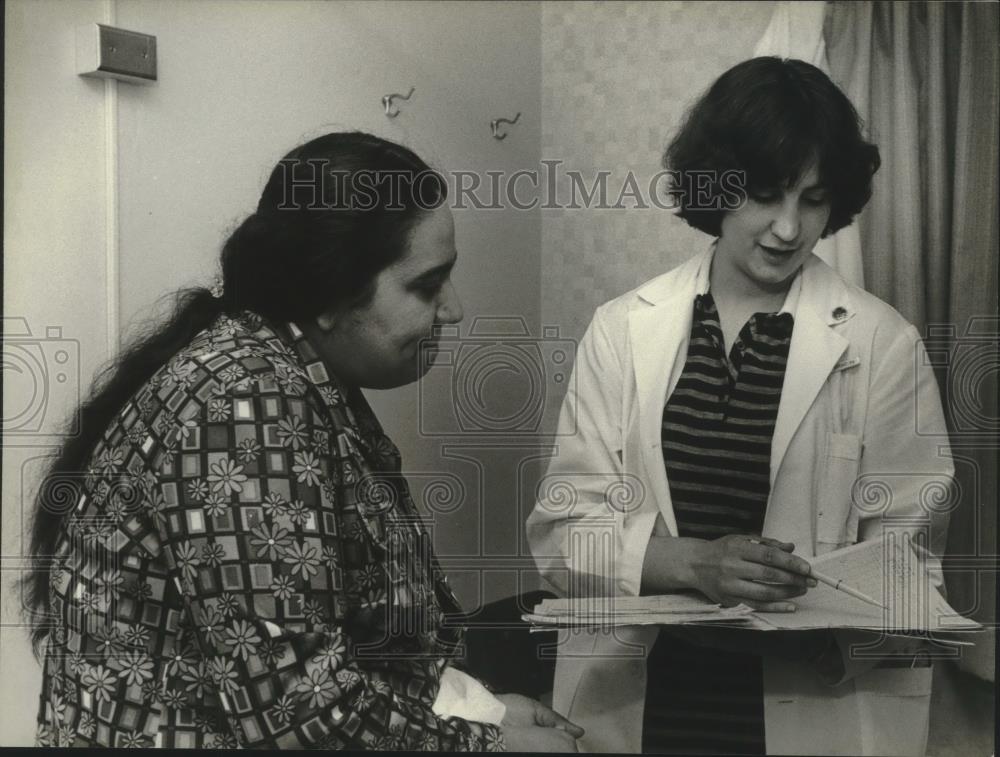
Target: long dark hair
<point>334,212</point>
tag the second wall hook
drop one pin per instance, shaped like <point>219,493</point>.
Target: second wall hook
<point>387,102</point>
<point>495,125</point>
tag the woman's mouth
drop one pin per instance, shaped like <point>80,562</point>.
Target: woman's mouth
<point>777,254</point>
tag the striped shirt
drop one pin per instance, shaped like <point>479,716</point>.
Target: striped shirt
<point>716,440</point>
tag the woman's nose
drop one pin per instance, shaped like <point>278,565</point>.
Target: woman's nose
<point>450,306</point>
<point>786,224</point>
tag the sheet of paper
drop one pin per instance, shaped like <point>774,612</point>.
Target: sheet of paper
<point>891,571</point>
<point>665,609</point>
<point>641,619</point>
<point>680,602</point>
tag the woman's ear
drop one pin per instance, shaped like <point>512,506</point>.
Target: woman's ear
<point>326,321</point>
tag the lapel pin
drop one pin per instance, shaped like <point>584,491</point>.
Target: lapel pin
<point>840,313</point>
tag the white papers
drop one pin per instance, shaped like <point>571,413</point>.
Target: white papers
<point>891,570</point>
<point>666,609</point>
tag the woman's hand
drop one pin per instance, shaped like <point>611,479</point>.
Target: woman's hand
<point>530,726</point>
<point>524,711</point>
<point>752,570</point>
<point>535,739</point>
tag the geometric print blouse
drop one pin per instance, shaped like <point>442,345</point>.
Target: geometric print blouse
<point>241,564</point>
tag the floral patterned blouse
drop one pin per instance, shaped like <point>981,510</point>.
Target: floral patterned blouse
<point>241,565</point>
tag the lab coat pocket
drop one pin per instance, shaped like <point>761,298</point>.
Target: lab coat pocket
<point>836,519</point>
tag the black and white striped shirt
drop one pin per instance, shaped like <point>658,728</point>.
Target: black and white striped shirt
<point>719,421</point>
<point>716,439</point>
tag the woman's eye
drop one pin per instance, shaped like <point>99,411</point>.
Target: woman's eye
<point>764,197</point>
<point>429,290</point>
<point>817,200</point>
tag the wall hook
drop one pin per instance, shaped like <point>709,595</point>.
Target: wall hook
<point>387,101</point>
<point>495,126</point>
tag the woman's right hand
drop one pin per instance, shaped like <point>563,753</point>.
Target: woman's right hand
<point>538,739</point>
<point>753,570</point>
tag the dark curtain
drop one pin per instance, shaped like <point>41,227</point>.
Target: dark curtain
<point>924,77</point>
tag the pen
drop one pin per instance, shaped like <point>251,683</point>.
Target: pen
<point>836,583</point>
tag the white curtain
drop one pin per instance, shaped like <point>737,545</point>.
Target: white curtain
<point>796,31</point>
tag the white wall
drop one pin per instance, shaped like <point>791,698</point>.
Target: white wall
<point>239,85</point>
<point>617,79</point>
<point>54,277</point>
<point>236,90</point>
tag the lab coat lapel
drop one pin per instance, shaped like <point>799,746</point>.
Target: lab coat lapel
<point>659,331</point>
<point>812,355</point>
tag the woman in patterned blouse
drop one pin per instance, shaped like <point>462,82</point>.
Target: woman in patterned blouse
<point>233,556</point>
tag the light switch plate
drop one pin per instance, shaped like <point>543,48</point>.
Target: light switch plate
<point>108,52</point>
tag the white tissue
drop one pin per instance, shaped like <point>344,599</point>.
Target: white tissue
<point>462,696</point>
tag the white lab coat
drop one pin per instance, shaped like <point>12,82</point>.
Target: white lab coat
<point>859,410</point>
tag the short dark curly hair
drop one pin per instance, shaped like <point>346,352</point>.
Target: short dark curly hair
<point>769,119</point>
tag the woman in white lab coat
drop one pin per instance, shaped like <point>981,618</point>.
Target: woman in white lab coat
<point>746,393</point>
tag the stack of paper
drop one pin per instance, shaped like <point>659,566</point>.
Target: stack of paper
<point>667,609</point>
<point>889,570</point>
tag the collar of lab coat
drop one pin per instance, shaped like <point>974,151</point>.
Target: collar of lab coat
<point>660,328</point>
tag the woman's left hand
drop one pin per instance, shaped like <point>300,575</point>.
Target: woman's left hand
<point>524,712</point>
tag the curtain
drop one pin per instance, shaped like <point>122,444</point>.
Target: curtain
<point>796,31</point>
<point>924,76</point>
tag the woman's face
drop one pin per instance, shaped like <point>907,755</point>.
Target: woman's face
<point>378,345</point>
<point>765,242</point>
